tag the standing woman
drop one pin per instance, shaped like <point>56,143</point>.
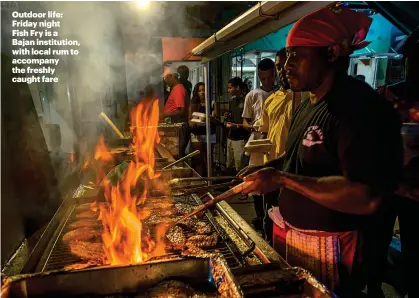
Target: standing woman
<point>198,132</point>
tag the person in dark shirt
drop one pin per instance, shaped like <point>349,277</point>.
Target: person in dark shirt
<point>343,154</point>
<point>237,135</point>
<point>183,72</point>
<point>405,98</point>
<point>199,131</point>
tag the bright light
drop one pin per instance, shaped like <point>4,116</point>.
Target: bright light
<point>142,3</point>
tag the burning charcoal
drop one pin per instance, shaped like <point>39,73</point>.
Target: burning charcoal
<point>202,228</point>
<point>82,234</point>
<point>87,251</point>
<point>173,289</point>
<point>202,240</point>
<point>84,223</point>
<point>176,237</point>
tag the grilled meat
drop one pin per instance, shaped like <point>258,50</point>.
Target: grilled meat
<point>202,228</point>
<point>173,289</point>
<point>184,209</point>
<point>88,251</point>
<point>82,234</point>
<point>176,237</point>
<point>202,240</point>
<point>158,205</point>
<point>88,215</point>
<point>87,223</point>
<point>189,223</point>
<point>79,266</point>
<point>193,251</point>
<point>156,219</point>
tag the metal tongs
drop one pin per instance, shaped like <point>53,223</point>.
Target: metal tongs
<point>225,195</point>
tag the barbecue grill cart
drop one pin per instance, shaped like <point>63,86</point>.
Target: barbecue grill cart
<point>240,256</point>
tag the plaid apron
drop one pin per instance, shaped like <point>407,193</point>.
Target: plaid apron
<point>322,253</point>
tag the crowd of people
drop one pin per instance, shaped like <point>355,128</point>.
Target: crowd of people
<point>338,174</point>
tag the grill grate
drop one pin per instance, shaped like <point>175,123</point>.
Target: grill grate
<point>60,255</point>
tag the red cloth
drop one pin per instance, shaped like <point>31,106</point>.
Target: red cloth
<point>177,99</point>
<point>329,26</point>
<point>351,247</point>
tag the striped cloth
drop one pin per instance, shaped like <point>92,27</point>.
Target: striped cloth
<point>317,251</point>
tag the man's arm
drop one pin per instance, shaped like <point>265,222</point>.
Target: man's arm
<point>178,112</point>
<point>246,123</point>
<point>335,192</point>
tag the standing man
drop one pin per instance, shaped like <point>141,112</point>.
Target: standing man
<point>343,155</point>
<point>251,113</point>
<point>275,122</point>
<point>237,135</point>
<point>183,72</point>
<point>176,108</point>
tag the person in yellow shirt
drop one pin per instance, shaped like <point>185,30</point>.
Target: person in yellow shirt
<point>275,121</point>
<point>277,111</point>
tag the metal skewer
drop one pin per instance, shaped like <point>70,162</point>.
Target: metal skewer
<point>194,179</point>
<point>196,152</point>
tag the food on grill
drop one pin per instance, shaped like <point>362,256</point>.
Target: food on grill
<point>202,228</point>
<point>156,219</point>
<point>88,223</point>
<point>88,214</point>
<point>189,223</point>
<point>82,234</point>
<point>176,237</point>
<point>184,209</point>
<point>202,240</point>
<point>158,205</point>
<point>88,251</point>
<point>82,207</point>
<point>79,266</point>
<point>193,251</point>
<point>173,289</point>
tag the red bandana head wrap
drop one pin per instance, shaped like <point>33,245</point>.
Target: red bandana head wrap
<point>329,26</point>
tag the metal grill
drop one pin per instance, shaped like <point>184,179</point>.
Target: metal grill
<point>60,255</point>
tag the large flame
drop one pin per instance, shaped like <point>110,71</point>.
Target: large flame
<point>126,241</point>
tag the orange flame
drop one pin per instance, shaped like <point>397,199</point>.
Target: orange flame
<point>102,157</point>
<point>125,239</point>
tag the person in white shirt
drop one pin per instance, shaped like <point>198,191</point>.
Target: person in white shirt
<point>252,112</point>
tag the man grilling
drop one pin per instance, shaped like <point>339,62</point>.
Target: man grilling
<point>343,154</point>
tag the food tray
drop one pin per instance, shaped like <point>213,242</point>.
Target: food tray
<point>270,280</point>
<point>204,274</point>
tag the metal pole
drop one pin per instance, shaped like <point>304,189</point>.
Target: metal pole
<point>207,79</point>
<point>258,58</point>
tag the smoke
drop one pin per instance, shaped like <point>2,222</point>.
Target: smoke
<point>120,53</point>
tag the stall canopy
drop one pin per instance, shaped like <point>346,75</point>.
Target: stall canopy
<point>262,19</point>
<point>268,17</point>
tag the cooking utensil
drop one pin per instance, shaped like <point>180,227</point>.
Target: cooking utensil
<point>196,152</point>
<point>225,195</point>
<point>194,179</point>
<point>110,123</point>
<point>205,188</point>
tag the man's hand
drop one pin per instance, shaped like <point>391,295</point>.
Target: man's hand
<point>263,181</point>
<point>248,170</point>
<point>229,124</point>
